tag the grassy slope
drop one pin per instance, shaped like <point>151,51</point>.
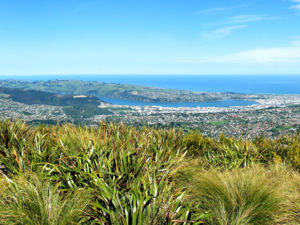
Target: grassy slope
<point>147,176</point>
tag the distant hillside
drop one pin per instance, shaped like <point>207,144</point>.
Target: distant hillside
<point>74,106</point>
<point>121,91</point>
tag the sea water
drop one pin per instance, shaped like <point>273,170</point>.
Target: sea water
<point>251,84</point>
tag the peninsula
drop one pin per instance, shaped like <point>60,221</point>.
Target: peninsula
<point>123,91</point>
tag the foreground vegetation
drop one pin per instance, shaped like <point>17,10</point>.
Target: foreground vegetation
<point>115,174</point>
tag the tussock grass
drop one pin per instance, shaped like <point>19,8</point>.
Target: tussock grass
<point>30,200</point>
<point>130,171</point>
<point>140,176</point>
<point>229,153</point>
<point>255,195</point>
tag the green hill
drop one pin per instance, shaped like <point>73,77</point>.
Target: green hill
<point>77,107</point>
<point>121,91</point>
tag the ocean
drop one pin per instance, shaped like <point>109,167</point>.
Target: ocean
<point>250,84</point>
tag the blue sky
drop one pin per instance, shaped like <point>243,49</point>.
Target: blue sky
<point>149,37</point>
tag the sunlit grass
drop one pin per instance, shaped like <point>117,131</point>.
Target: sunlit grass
<point>255,195</point>
<point>145,176</point>
<point>31,200</point>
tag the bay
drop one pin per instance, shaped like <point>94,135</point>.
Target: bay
<point>222,103</point>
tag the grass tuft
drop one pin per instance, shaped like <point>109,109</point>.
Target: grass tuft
<point>28,199</point>
<point>245,196</point>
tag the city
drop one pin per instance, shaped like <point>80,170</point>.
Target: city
<point>271,116</point>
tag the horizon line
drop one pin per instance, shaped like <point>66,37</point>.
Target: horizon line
<point>148,74</point>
